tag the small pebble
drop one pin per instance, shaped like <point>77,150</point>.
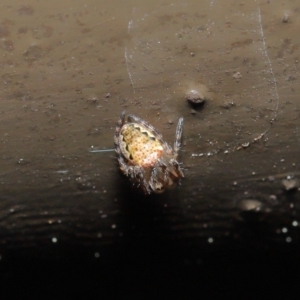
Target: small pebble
<point>285,18</point>
<point>228,105</point>
<point>195,97</point>
<point>237,76</point>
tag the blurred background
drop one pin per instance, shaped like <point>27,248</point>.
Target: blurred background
<point>69,218</point>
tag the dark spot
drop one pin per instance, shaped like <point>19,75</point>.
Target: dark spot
<point>152,138</point>
<point>127,148</point>
<point>4,32</point>
<point>7,45</point>
<point>44,31</point>
<point>130,157</point>
<point>86,30</point>
<point>101,59</point>
<point>23,29</point>
<point>26,10</point>
<point>242,43</point>
<point>145,133</point>
<point>165,19</point>
<point>33,53</point>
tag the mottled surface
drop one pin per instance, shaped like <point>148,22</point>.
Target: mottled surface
<point>140,145</point>
<point>148,161</point>
<point>68,68</point>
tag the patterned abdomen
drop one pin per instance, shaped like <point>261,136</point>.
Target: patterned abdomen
<point>139,145</point>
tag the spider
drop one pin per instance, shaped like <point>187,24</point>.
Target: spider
<point>144,157</point>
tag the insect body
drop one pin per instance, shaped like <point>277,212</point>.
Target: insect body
<point>144,156</point>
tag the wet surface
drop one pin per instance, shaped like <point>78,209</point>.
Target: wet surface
<point>67,72</point>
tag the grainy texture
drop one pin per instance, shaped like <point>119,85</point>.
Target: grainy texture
<point>67,71</point>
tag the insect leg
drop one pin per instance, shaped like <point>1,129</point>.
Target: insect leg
<point>178,134</point>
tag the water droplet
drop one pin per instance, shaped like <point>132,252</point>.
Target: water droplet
<point>113,226</point>
<point>54,240</point>
<point>288,239</point>
<point>210,240</point>
<point>295,223</point>
<point>284,230</point>
<point>97,254</point>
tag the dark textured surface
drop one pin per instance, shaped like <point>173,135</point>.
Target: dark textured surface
<point>69,221</point>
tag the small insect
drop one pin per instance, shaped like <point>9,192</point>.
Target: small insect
<point>144,157</point>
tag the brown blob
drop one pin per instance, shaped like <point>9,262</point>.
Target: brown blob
<point>33,53</point>
<point>43,31</point>
<point>4,32</point>
<point>165,19</point>
<point>26,10</point>
<point>7,45</point>
<point>242,43</point>
<point>86,30</point>
<point>23,29</point>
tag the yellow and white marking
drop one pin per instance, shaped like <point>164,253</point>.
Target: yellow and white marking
<point>139,145</point>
